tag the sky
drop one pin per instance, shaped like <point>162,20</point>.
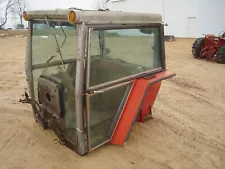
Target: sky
<point>45,4</point>
<point>50,4</point>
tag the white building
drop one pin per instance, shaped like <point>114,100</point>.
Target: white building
<point>185,18</point>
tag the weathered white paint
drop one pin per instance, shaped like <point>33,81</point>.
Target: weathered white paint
<point>191,27</point>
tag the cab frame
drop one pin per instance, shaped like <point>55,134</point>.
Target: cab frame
<point>86,22</point>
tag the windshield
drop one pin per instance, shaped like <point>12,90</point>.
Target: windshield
<point>120,53</point>
<point>53,59</point>
<point>53,41</point>
<point>53,48</point>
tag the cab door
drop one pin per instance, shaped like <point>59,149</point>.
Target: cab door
<point>104,105</point>
<point>116,57</point>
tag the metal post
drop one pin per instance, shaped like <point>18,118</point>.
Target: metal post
<point>163,10</point>
<point>79,89</point>
<point>28,67</point>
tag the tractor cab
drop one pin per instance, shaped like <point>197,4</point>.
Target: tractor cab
<point>93,74</point>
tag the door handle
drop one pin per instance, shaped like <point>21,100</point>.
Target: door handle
<point>95,91</point>
<point>98,91</point>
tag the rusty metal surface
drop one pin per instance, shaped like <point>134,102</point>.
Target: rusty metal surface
<point>96,17</point>
<point>49,96</point>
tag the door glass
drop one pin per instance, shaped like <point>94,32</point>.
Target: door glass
<point>104,112</point>
<point>120,53</point>
<point>50,48</point>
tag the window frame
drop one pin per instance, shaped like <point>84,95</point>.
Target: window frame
<point>35,66</point>
<point>31,67</point>
<point>128,78</point>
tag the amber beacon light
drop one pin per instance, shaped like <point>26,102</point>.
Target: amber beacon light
<point>25,15</point>
<point>72,16</point>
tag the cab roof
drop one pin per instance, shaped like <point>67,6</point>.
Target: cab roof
<point>96,17</point>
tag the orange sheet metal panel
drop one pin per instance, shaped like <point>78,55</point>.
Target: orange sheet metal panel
<point>134,103</point>
<point>149,100</point>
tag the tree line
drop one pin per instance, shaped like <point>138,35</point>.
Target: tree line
<point>14,7</point>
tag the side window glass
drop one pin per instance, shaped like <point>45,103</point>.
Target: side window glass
<point>120,53</point>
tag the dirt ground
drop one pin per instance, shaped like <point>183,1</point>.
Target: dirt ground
<point>188,129</point>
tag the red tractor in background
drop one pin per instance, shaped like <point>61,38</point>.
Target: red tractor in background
<point>210,47</point>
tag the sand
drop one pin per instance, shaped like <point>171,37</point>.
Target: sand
<point>187,130</point>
